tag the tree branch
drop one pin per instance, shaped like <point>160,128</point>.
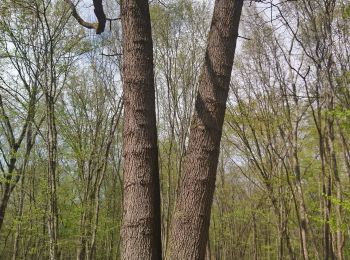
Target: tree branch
<point>100,15</point>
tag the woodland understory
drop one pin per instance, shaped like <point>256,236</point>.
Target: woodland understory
<point>127,133</point>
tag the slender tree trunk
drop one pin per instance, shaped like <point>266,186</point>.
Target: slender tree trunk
<point>52,178</point>
<point>4,201</point>
<point>141,228</point>
<point>190,222</point>
<point>346,152</point>
<point>19,216</point>
<point>255,239</point>
<point>304,221</point>
<point>326,193</point>
<point>334,167</point>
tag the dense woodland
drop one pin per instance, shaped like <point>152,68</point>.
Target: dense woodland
<point>115,129</point>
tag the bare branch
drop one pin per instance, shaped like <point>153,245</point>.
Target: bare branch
<point>80,20</point>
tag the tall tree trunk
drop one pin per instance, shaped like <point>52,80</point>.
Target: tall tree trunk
<point>4,201</point>
<point>141,235</point>
<point>190,222</point>
<point>335,175</point>
<point>51,176</point>
<point>19,225</point>
<point>304,220</point>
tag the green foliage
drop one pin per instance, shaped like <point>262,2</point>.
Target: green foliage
<point>346,12</point>
<point>256,204</point>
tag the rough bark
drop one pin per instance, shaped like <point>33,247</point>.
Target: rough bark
<point>141,238</point>
<point>190,223</point>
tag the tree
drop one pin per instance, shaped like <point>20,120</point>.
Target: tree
<point>266,162</point>
<point>141,236</point>
<point>179,35</point>
<point>190,222</point>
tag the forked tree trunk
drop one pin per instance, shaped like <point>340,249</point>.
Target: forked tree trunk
<point>190,223</point>
<point>141,237</point>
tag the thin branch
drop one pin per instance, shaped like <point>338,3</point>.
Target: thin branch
<point>111,55</point>
<point>242,37</point>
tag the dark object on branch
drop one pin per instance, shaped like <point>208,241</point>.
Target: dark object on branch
<point>100,15</point>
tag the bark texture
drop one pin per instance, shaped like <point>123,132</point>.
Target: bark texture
<point>141,237</point>
<point>190,223</point>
